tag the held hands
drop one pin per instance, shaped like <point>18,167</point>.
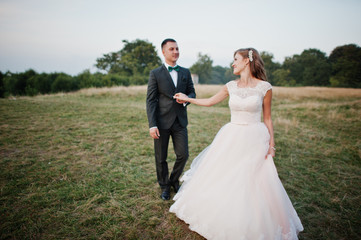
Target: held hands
<point>181,98</point>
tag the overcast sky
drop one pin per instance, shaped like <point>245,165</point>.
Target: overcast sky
<point>68,35</point>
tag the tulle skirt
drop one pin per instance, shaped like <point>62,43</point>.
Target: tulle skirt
<point>232,191</point>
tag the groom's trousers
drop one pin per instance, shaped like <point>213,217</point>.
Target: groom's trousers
<point>180,144</point>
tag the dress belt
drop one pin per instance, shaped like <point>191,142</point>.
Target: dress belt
<point>244,123</point>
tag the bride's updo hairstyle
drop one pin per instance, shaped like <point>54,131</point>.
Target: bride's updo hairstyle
<point>255,62</point>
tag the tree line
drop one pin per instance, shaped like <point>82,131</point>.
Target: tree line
<point>32,83</point>
<point>131,66</point>
<point>310,68</point>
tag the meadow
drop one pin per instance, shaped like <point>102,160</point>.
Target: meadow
<point>81,165</point>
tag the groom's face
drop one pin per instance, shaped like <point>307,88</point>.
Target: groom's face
<point>171,52</point>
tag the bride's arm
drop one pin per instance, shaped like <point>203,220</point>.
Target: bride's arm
<point>267,119</point>
<point>207,102</point>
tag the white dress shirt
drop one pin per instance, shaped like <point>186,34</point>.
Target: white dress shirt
<point>173,74</point>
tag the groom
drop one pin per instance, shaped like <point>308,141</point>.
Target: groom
<point>168,117</point>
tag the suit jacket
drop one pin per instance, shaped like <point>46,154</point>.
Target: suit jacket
<point>162,109</point>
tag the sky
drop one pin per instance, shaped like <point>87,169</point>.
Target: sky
<point>69,35</point>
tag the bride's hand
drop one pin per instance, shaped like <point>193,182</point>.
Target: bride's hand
<point>271,151</point>
<point>180,97</point>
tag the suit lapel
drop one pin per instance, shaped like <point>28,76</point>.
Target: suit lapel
<point>180,75</point>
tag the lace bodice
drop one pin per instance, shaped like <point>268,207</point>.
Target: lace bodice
<point>246,103</point>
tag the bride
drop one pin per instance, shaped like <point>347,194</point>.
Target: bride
<point>232,190</point>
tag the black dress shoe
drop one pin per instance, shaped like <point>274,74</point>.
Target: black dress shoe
<point>176,187</point>
<point>165,194</point>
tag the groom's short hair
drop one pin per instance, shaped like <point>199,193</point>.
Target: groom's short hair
<point>167,40</point>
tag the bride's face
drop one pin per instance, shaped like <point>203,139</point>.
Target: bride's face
<point>239,64</point>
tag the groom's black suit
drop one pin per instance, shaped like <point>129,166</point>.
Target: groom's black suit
<point>171,119</point>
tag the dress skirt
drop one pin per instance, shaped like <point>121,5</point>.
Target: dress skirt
<point>232,190</point>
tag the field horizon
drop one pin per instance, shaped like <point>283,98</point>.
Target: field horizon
<point>80,165</point>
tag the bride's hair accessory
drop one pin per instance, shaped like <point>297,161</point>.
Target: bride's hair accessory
<point>250,55</point>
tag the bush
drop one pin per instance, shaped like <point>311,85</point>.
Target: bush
<point>115,80</point>
<point>64,83</point>
<point>138,80</point>
<point>2,89</point>
<point>43,82</point>
<point>30,88</point>
<point>31,83</point>
<point>88,80</point>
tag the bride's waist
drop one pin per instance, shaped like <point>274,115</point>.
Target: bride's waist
<point>245,118</point>
<point>244,123</point>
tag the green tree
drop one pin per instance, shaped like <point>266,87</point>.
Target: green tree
<point>16,83</point>
<point>281,78</point>
<point>270,66</point>
<point>294,68</point>
<point>317,69</point>
<point>139,57</point>
<point>64,83</point>
<point>136,58</point>
<point>311,68</point>
<point>217,75</point>
<point>87,80</point>
<point>203,67</point>
<point>229,73</point>
<point>109,62</point>
<point>220,75</point>
<point>42,83</point>
<point>2,87</point>
<point>346,66</point>
<point>30,88</point>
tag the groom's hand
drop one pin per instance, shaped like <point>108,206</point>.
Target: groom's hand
<point>154,133</point>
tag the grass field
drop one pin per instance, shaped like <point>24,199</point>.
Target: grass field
<point>81,165</point>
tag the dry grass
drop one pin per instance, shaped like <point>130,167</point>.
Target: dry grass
<point>286,123</point>
<point>296,93</point>
<point>131,91</point>
<point>290,93</point>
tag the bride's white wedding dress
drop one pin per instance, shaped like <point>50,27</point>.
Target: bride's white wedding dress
<point>231,190</point>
